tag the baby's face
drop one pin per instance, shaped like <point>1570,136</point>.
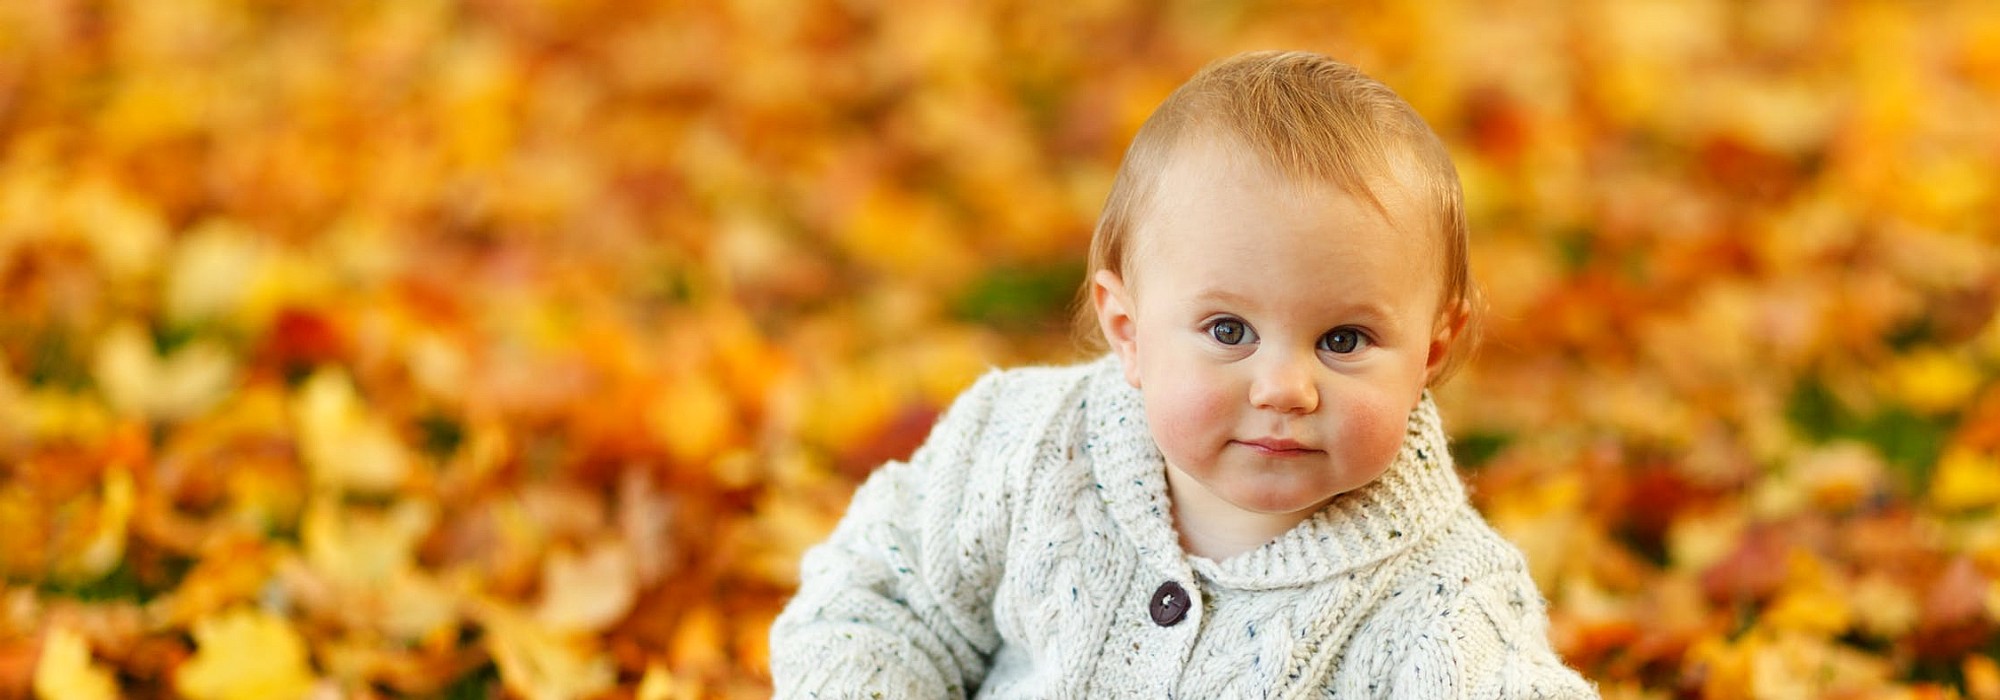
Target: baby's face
<point>1280,333</point>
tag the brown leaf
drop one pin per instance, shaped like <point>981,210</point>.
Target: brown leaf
<point>1954,620</point>
<point>1751,573</point>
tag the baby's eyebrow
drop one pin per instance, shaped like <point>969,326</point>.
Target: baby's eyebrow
<point>1222,296</point>
<point>1369,312</point>
<point>1378,320</point>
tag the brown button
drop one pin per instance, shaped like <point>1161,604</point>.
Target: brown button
<point>1170,604</point>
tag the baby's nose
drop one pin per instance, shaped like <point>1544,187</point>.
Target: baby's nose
<point>1285,384</point>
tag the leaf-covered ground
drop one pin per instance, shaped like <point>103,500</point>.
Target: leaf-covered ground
<point>461,349</point>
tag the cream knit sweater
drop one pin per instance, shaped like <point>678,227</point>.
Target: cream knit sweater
<point>1024,552</point>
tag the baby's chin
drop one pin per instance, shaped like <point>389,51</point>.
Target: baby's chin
<point>1278,498</point>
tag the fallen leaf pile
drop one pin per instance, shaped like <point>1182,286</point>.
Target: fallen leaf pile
<point>520,347</point>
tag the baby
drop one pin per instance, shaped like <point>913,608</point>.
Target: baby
<point>1250,495</point>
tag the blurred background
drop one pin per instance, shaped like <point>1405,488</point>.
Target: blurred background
<point>519,347</point>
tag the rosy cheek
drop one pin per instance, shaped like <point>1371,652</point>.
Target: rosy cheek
<point>1185,412</point>
<point>1373,427</point>
<point>1177,410</point>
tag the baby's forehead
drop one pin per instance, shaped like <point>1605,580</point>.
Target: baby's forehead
<point>1382,174</point>
<point>1397,188</point>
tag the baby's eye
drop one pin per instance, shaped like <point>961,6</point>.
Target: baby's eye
<point>1342,341</point>
<point>1229,331</point>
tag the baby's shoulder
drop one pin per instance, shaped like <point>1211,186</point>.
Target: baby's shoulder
<point>1465,620</point>
<point>1463,565</point>
<point>1467,549</point>
<point>1023,396</point>
<point>1019,406</point>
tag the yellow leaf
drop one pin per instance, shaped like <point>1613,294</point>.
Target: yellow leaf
<point>263,497</point>
<point>1884,607</point>
<point>162,105</point>
<point>344,445</point>
<point>1784,664</point>
<point>944,364</point>
<point>1543,521</point>
<point>1788,116</point>
<point>1966,479</point>
<point>213,272</point>
<point>478,82</point>
<point>588,592</point>
<point>1935,381</point>
<point>245,654</point>
<point>1982,677</point>
<point>367,562</point>
<point>845,406</point>
<point>698,645</point>
<point>644,518</point>
<point>1809,605</point>
<point>126,232</point>
<point>787,526</point>
<point>1992,599</point>
<point>438,364</point>
<point>751,649</point>
<point>230,571</point>
<point>1840,476</point>
<point>694,419</point>
<point>1640,46</point>
<point>417,607</point>
<point>141,383</point>
<point>909,237</point>
<point>1589,618</point>
<point>1978,538</point>
<point>66,671</point>
<point>657,684</point>
<point>1722,666</point>
<point>543,664</point>
<point>1697,540</point>
<point>54,414</point>
<point>1777,496</point>
<point>363,549</point>
<point>660,684</point>
<point>1949,189</point>
<point>1803,665</point>
<point>17,414</point>
<point>106,544</point>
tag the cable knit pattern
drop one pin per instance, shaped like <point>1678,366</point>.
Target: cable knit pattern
<point>1017,553</point>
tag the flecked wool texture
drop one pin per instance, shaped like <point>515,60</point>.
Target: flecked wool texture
<point>1018,552</point>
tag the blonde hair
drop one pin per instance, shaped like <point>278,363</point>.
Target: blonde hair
<point>1312,118</point>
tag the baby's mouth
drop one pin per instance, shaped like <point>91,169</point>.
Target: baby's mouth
<point>1279,447</point>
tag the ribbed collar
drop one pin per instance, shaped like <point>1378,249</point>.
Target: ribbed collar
<point>1419,492</point>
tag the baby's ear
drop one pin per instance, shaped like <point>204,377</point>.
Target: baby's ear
<point>1113,301</point>
<point>1450,325</point>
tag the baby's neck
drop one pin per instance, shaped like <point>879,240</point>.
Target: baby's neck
<point>1214,529</point>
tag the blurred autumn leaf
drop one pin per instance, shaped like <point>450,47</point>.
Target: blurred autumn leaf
<point>450,348</point>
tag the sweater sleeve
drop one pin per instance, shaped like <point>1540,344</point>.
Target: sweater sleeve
<point>897,601</point>
<point>1490,641</point>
